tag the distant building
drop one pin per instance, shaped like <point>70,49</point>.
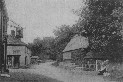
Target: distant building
<point>18,54</point>
<point>76,47</point>
<point>34,59</point>
<point>93,61</point>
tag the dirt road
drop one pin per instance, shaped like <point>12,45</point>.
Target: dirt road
<point>47,69</point>
<point>45,72</point>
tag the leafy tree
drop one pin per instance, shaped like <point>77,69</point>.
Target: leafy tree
<point>63,34</point>
<point>42,47</point>
<point>36,47</point>
<point>102,22</point>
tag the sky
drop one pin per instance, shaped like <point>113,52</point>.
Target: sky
<point>40,17</point>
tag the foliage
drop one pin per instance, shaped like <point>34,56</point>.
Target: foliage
<point>42,47</point>
<point>50,46</point>
<point>102,22</point>
<point>63,34</point>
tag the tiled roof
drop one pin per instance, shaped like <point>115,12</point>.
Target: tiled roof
<point>76,43</point>
<point>14,41</point>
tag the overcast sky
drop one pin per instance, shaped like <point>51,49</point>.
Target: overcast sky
<point>40,17</point>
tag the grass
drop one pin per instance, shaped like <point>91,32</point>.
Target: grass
<point>115,75</point>
<point>23,76</point>
<point>26,77</point>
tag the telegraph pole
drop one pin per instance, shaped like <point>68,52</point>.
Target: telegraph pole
<point>5,51</point>
<point>1,49</point>
<point>5,19</point>
<point>3,35</point>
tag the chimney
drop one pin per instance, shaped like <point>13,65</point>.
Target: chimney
<point>13,33</point>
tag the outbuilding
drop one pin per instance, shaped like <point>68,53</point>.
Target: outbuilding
<point>93,61</point>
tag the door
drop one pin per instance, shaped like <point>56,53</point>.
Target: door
<point>26,60</point>
<point>16,61</point>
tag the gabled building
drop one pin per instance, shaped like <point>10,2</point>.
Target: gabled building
<point>75,49</point>
<point>18,53</point>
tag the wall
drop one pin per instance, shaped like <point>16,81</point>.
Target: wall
<point>20,50</point>
<point>28,54</point>
<point>15,50</point>
<point>77,56</point>
<point>66,55</point>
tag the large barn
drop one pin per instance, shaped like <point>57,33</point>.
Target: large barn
<point>75,49</point>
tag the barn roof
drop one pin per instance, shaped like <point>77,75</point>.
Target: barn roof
<point>76,42</point>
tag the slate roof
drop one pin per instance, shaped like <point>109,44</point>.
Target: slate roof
<point>14,41</point>
<point>77,42</point>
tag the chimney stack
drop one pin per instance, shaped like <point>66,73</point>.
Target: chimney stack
<point>13,33</point>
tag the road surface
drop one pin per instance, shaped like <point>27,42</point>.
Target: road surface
<point>45,72</point>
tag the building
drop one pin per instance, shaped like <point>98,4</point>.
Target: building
<point>18,53</point>
<point>75,49</point>
<point>93,61</point>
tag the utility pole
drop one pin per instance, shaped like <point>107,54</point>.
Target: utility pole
<point>5,51</point>
<point>5,20</point>
<point>3,35</point>
<point>1,49</point>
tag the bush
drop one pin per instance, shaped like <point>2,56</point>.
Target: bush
<point>116,73</point>
<point>55,64</point>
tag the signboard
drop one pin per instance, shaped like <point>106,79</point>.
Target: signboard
<point>15,50</point>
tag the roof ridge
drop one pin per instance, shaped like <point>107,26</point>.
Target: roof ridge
<point>77,42</point>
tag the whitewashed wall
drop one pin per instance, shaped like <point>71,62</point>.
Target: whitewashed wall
<point>19,50</point>
<point>66,55</point>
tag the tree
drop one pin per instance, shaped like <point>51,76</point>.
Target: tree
<point>102,22</point>
<point>42,47</point>
<point>63,34</point>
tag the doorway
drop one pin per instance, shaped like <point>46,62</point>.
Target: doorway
<point>13,61</point>
<point>25,60</point>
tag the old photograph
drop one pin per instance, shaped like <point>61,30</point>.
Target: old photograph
<point>61,40</point>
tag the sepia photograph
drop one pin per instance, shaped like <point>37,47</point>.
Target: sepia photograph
<point>61,40</point>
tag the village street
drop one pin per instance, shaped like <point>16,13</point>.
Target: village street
<point>45,72</point>
<point>84,36</point>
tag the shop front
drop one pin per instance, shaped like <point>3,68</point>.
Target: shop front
<point>13,61</point>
